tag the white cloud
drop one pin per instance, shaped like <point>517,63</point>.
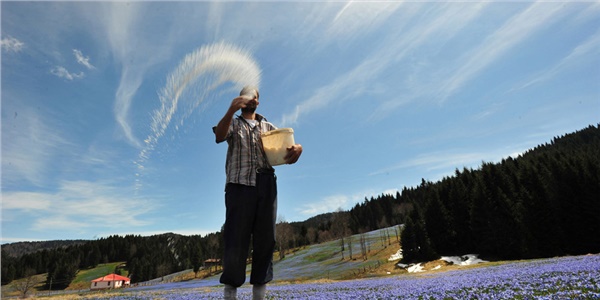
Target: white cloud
<point>60,222</point>
<point>582,54</point>
<point>136,53</point>
<point>36,143</point>
<point>514,31</point>
<point>341,201</point>
<point>120,26</point>
<point>398,45</point>
<point>357,18</point>
<point>424,80</point>
<point>445,162</point>
<point>423,74</point>
<point>329,204</point>
<point>83,60</point>
<point>11,44</point>
<point>64,73</point>
<point>27,201</point>
<point>77,205</point>
<point>435,161</point>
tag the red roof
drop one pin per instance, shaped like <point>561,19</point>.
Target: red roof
<point>111,277</point>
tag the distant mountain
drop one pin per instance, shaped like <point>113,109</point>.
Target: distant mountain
<point>21,248</point>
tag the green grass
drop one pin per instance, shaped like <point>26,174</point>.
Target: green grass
<point>81,282</point>
<point>99,271</point>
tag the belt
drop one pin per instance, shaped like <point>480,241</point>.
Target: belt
<point>265,171</point>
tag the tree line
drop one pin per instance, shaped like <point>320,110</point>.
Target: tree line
<point>540,204</point>
<point>146,257</point>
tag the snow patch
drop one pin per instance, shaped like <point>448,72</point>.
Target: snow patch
<point>415,268</point>
<point>465,260</point>
<point>396,256</point>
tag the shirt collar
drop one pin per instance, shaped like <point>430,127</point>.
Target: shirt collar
<point>258,118</point>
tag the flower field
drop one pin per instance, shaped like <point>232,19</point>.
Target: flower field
<point>576,277</point>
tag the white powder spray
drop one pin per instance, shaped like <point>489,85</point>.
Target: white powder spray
<point>188,85</point>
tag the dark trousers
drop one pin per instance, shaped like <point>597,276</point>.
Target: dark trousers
<point>250,212</point>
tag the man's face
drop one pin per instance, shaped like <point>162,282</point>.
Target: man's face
<point>252,104</point>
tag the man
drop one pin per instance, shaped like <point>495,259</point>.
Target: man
<point>250,195</point>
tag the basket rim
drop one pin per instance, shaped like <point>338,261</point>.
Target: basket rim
<point>276,131</point>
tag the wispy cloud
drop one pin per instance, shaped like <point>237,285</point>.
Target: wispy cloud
<point>350,22</point>
<point>579,56</point>
<point>436,26</point>
<point>357,18</point>
<point>397,46</point>
<point>11,44</point>
<point>36,142</point>
<point>328,204</point>
<point>448,161</point>
<point>26,201</point>
<point>340,201</point>
<point>120,24</point>
<point>77,205</point>
<point>515,30</point>
<point>135,53</point>
<point>341,89</point>
<point>62,72</point>
<point>83,60</point>
<point>423,75</point>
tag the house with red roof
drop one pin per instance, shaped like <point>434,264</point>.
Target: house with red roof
<point>110,281</point>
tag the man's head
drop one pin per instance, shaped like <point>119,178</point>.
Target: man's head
<point>250,91</point>
<point>253,93</point>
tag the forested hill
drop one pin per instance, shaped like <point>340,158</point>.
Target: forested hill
<point>543,203</point>
<point>21,248</point>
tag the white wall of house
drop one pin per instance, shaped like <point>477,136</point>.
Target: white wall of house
<point>113,284</point>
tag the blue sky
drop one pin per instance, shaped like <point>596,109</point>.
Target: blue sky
<point>380,95</point>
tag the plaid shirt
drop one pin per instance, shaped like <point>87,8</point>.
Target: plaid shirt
<point>245,153</point>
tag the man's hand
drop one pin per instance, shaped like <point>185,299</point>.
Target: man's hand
<point>293,153</point>
<point>243,101</point>
<point>236,104</point>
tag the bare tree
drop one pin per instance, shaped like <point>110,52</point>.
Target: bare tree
<point>398,229</point>
<point>312,235</point>
<point>349,241</point>
<point>26,284</point>
<point>162,270</point>
<point>283,235</point>
<point>324,235</point>
<point>363,246</point>
<point>342,246</point>
<point>340,228</point>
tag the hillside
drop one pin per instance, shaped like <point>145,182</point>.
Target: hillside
<point>540,204</point>
<point>324,261</point>
<point>21,248</point>
<point>315,263</point>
